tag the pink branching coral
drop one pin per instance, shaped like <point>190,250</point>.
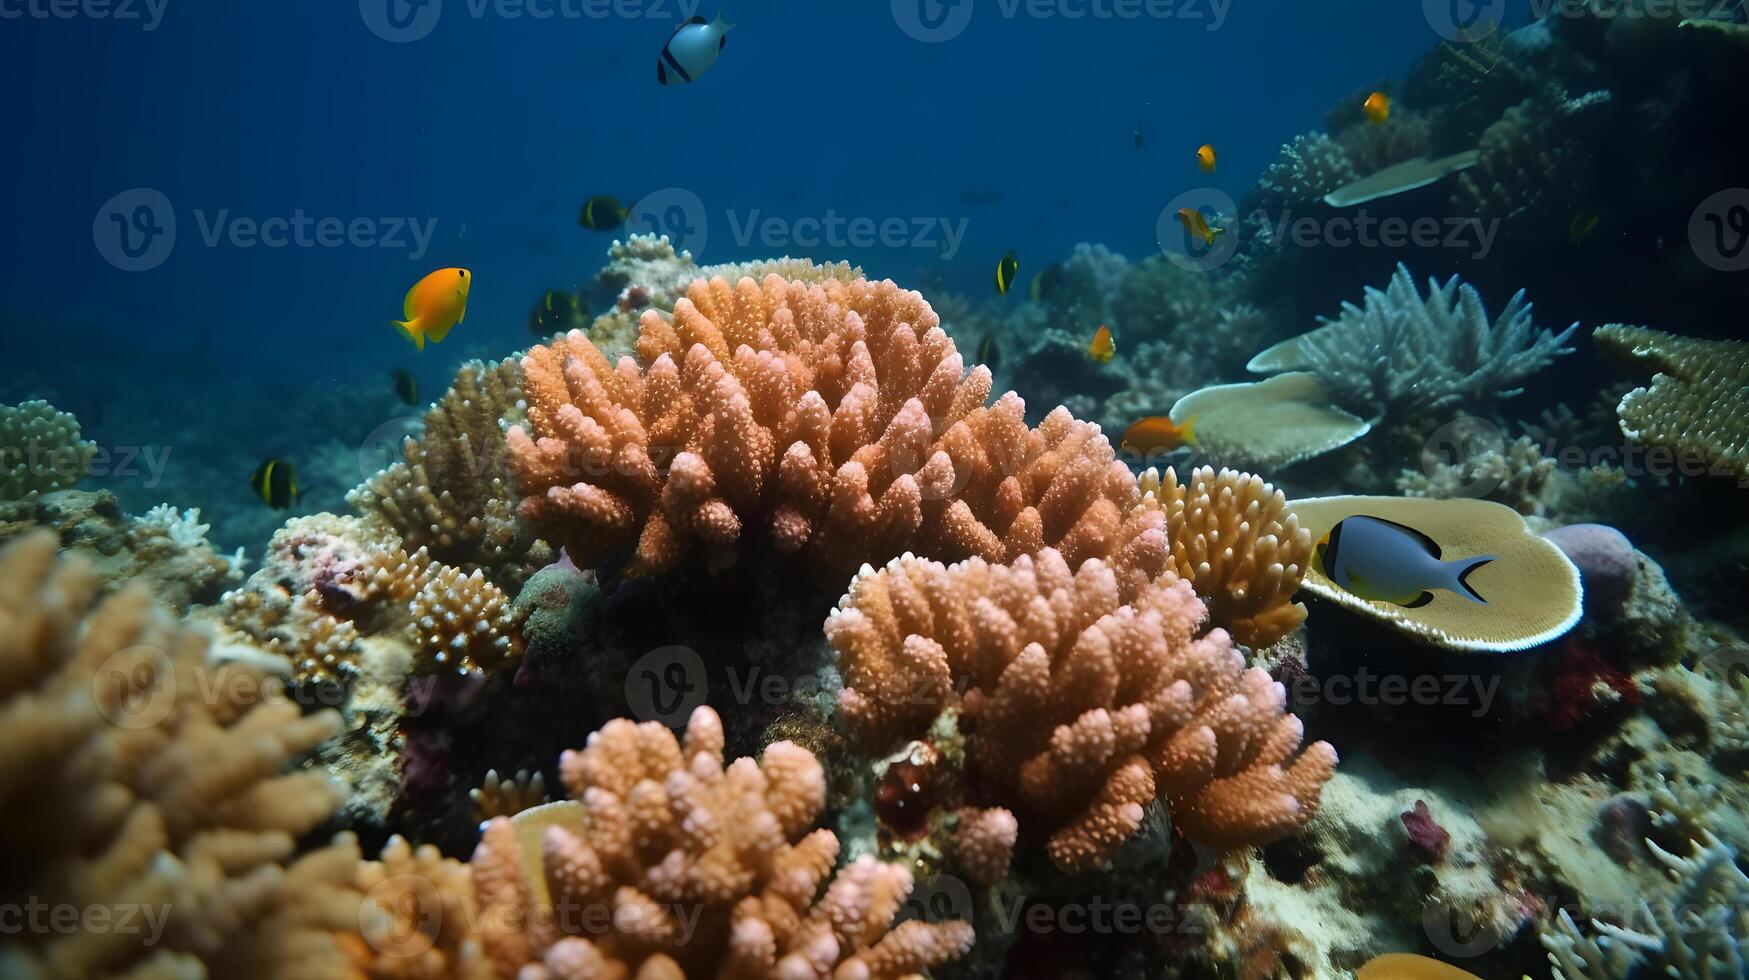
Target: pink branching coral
<point>836,418</point>
<point>1087,695</point>
<point>681,867</point>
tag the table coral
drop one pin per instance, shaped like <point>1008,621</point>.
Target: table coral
<point>837,418</point>
<point>700,869</point>
<point>1087,695</point>
<point>1698,401</point>
<point>451,493</point>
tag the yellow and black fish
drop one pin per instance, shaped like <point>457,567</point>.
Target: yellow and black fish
<point>276,483</point>
<point>989,354</point>
<point>1045,283</point>
<point>602,213</point>
<point>406,386</point>
<point>1006,270</point>
<point>557,312</point>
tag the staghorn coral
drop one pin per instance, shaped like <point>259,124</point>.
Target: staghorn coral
<point>1698,931</point>
<point>1698,402</point>
<point>40,450</point>
<point>138,772</point>
<point>1406,354</point>
<point>452,494</point>
<point>696,869</point>
<point>1234,540</point>
<point>460,622</point>
<point>1086,696</point>
<point>1308,168</point>
<point>1516,474</point>
<point>1535,161</point>
<point>837,418</point>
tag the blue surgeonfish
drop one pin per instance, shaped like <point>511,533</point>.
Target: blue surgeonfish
<point>692,49</point>
<point>1388,562</point>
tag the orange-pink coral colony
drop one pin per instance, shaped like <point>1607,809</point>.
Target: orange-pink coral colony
<point>1087,695</point>
<point>704,871</point>
<point>836,417</point>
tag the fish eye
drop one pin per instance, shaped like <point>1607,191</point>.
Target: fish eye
<point>464,273</point>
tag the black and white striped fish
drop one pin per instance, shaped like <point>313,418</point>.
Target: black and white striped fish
<point>692,49</point>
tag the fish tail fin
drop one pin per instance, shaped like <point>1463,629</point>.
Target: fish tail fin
<point>1462,577</point>
<point>415,337</point>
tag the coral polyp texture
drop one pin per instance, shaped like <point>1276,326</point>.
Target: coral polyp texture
<point>675,865</point>
<point>451,493</point>
<point>1698,401</point>
<point>40,450</point>
<point>837,419</point>
<point>139,772</point>
<point>1087,696</point>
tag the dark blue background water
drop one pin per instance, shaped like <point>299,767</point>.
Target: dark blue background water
<point>497,127</point>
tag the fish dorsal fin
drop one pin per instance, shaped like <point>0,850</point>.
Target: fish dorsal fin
<point>1431,545</point>
<point>407,310</point>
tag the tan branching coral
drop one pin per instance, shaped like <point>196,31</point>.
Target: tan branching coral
<point>836,418</point>
<point>681,867</point>
<point>1235,541</point>
<point>462,622</point>
<point>499,796</point>
<point>983,843</point>
<point>1698,402</point>
<point>140,779</point>
<point>451,493</point>
<point>1087,696</point>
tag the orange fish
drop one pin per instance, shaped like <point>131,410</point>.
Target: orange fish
<point>1409,966</point>
<point>434,306</point>
<point>1197,225</point>
<point>1377,108</point>
<point>1101,347</point>
<point>1205,158</point>
<point>1159,432</point>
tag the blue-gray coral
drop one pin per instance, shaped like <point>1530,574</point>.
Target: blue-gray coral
<point>1403,354</point>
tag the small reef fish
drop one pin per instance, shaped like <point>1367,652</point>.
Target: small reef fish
<point>406,386</point>
<point>556,312</point>
<point>1584,223</point>
<point>1205,158</point>
<point>602,212</point>
<point>434,306</point>
<point>692,49</point>
<point>1409,966</point>
<point>1197,225</point>
<point>1158,432</point>
<point>1385,561</point>
<point>276,483</point>
<point>1006,269</point>
<point>1045,283</point>
<point>1101,347</point>
<point>989,354</point>
<point>1377,108</point>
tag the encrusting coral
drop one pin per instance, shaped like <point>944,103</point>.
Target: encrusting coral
<point>1087,695</point>
<point>452,494</point>
<point>40,450</point>
<point>838,418</point>
<point>125,786</point>
<point>1698,402</point>
<point>681,867</point>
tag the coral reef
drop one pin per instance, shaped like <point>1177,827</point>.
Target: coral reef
<point>1698,402</point>
<point>836,418</point>
<point>1268,424</point>
<point>452,494</point>
<point>1084,695</point>
<point>675,866</point>
<point>40,450</point>
<point>1311,166</point>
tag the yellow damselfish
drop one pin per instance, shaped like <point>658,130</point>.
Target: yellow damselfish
<point>1101,347</point>
<point>434,305</point>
